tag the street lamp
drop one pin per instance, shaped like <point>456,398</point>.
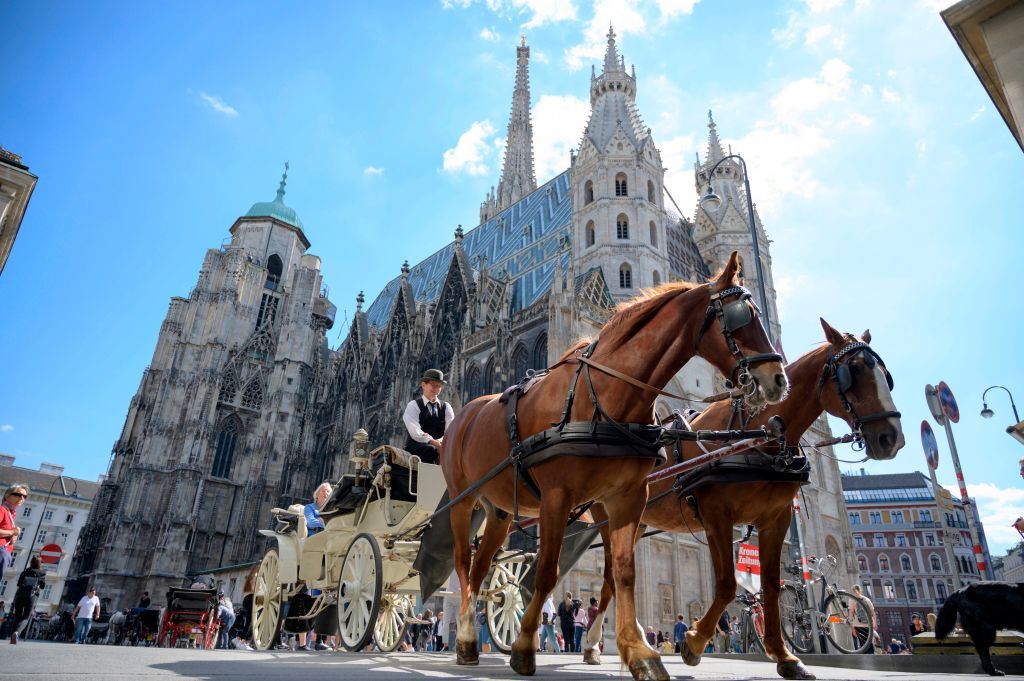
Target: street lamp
<point>1016,431</point>
<point>711,201</point>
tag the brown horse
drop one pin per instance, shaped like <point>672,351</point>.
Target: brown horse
<point>819,382</point>
<point>648,340</point>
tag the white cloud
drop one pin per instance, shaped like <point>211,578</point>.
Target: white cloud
<point>855,120</point>
<point>373,170</point>
<point>922,146</point>
<point>808,95</point>
<point>933,5</point>
<point>6,428</point>
<point>471,152</point>
<point>789,284</point>
<point>558,123</point>
<point>219,105</point>
<point>778,156</point>
<point>891,96</point>
<point>540,57</point>
<point>677,153</point>
<point>490,35</point>
<point>627,19</point>
<point>816,34</point>
<point>541,11</point>
<point>977,113</point>
<point>818,6</point>
<point>998,508</point>
<point>671,8</point>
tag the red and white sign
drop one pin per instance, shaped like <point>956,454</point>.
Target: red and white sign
<point>51,554</point>
<point>748,568</point>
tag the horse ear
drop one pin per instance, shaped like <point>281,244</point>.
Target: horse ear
<point>831,335</point>
<point>727,278</point>
<point>866,336</point>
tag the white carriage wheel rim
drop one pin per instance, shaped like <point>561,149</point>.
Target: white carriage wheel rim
<point>266,599</point>
<point>504,619</point>
<point>391,622</point>
<point>355,598</point>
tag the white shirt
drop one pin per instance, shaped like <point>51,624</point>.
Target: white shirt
<point>411,417</point>
<point>549,608</point>
<point>86,606</point>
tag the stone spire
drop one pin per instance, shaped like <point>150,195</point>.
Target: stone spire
<point>284,181</point>
<point>517,175</point>
<point>714,153</point>
<point>613,102</point>
<point>613,62</point>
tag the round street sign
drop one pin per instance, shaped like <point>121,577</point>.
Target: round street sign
<point>930,445</point>
<point>948,402</point>
<point>51,553</point>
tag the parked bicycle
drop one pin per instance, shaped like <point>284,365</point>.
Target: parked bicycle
<point>843,618</point>
<point>751,623</point>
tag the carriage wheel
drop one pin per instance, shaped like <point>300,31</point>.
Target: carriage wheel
<point>505,606</point>
<point>212,633</point>
<point>266,602</point>
<point>392,622</point>
<point>359,592</point>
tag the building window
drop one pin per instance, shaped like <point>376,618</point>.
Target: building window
<point>622,226</point>
<point>625,276</point>
<point>620,185</point>
<point>926,516</point>
<point>901,540</point>
<point>650,191</point>
<point>858,540</point>
<point>912,591</point>
<point>905,563</point>
<point>69,519</point>
<point>26,512</point>
<point>540,352</point>
<point>855,519</point>
<point>48,515</point>
<point>655,278</point>
<point>490,383</point>
<point>274,270</point>
<point>41,537</point>
<point>268,311</point>
<point>897,516</point>
<point>936,564</point>
<point>883,563</point>
<point>654,234</point>
<point>474,387</point>
<point>940,590</point>
<point>889,591</point>
<point>875,517</point>
<point>590,233</point>
<point>227,438</point>
<point>588,193</point>
<point>228,385</point>
<point>862,563</point>
<point>63,536</point>
<point>880,540</point>
<point>929,540</point>
<point>520,363</point>
<point>252,398</point>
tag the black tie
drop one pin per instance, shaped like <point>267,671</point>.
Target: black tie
<point>433,410</point>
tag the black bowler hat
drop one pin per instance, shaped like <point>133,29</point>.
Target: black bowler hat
<point>433,375</point>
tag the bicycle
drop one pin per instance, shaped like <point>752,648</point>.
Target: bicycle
<point>752,623</point>
<point>842,617</point>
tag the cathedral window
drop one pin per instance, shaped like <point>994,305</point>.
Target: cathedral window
<point>490,384</point>
<point>268,311</point>
<point>540,352</point>
<point>650,191</point>
<point>227,438</point>
<point>274,269</point>
<point>228,385</point>
<point>655,278</point>
<point>622,226</point>
<point>620,185</point>
<point>588,193</point>
<point>654,234</point>
<point>625,276</point>
<point>252,398</point>
<point>590,233</point>
<point>474,388</point>
<point>520,362</point>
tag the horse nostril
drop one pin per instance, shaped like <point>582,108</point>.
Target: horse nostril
<point>886,440</point>
<point>780,379</point>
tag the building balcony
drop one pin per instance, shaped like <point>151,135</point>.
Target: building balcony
<point>926,524</point>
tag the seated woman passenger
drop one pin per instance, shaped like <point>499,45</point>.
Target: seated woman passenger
<point>314,523</point>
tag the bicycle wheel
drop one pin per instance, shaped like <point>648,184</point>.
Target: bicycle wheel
<point>848,623</point>
<point>796,622</point>
<point>753,633</point>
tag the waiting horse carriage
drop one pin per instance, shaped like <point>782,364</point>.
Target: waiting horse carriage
<point>190,618</point>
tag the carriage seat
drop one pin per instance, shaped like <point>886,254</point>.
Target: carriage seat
<point>291,520</point>
<point>347,496</point>
<point>196,600</point>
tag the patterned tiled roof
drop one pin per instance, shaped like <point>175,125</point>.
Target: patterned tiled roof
<point>524,240</point>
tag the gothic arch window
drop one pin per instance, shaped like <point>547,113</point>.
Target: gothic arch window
<point>228,385</point>
<point>935,563</point>
<point>650,191</point>
<point>490,378</point>
<point>227,438</point>
<point>590,234</point>
<point>474,388</point>
<point>540,352</point>
<point>862,563</point>
<point>883,563</point>
<point>905,563</point>
<point>588,192</point>
<point>620,185</point>
<point>655,278</point>
<point>252,398</point>
<point>912,591</point>
<point>625,276</point>
<point>274,270</point>
<point>654,234</point>
<point>520,362</point>
<point>940,590</point>
<point>622,226</point>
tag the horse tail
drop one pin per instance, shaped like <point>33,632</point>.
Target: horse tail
<point>947,616</point>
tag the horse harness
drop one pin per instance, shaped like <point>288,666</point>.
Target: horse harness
<point>838,369</point>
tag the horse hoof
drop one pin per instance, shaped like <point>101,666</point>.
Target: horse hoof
<point>466,653</point>
<point>523,663</point>
<point>793,669</point>
<point>592,655</point>
<point>648,669</point>
<point>689,657</point>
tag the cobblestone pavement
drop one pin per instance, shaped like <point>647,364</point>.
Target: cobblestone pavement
<point>43,661</point>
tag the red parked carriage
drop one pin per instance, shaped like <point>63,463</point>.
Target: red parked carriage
<point>190,619</point>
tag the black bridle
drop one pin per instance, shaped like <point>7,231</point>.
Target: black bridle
<point>732,317</point>
<point>837,368</point>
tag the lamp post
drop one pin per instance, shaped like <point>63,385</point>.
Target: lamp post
<point>712,200</point>
<point>42,514</point>
<point>1016,431</point>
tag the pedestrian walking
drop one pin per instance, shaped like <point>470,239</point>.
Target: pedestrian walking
<point>226,613</point>
<point>87,610</point>
<point>580,622</point>
<point>439,629</point>
<point>3,619</point>
<point>652,638</point>
<point>565,621</point>
<point>679,632</point>
<point>547,626</point>
<point>30,582</point>
<point>14,497</point>
<point>722,639</point>
<point>860,624</point>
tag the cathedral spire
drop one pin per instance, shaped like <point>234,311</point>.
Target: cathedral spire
<point>612,61</point>
<point>517,176</point>
<point>284,181</point>
<point>714,153</point>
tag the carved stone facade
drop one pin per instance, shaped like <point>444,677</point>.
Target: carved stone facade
<point>16,187</point>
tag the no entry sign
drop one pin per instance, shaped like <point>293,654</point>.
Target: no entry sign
<point>51,553</point>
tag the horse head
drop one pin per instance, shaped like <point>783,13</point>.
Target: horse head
<point>857,387</point>
<point>740,349</point>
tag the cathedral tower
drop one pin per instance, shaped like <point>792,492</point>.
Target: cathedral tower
<point>619,218</point>
<point>726,228</point>
<point>517,176</point>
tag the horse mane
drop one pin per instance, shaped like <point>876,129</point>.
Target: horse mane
<point>578,345</point>
<point>638,310</point>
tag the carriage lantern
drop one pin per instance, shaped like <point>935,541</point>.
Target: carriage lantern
<point>360,447</point>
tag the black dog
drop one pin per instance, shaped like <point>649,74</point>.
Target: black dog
<point>983,607</point>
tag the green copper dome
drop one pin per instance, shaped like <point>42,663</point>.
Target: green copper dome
<point>276,208</point>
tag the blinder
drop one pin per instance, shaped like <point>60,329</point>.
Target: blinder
<point>736,315</point>
<point>841,372</point>
<point>732,317</point>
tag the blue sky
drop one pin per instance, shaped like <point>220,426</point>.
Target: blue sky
<point>886,179</point>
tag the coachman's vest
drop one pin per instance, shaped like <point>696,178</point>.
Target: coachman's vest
<point>432,426</point>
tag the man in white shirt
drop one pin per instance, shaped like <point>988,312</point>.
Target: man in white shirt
<point>548,625</point>
<point>85,612</point>
<point>427,417</point>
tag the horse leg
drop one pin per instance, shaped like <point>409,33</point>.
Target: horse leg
<point>624,511</point>
<point>591,642</point>
<point>718,529</point>
<point>465,639</point>
<point>771,533</point>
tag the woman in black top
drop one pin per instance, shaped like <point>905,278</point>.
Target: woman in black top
<point>30,583</point>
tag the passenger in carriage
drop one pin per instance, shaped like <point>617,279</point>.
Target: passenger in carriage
<point>427,417</point>
<point>314,523</point>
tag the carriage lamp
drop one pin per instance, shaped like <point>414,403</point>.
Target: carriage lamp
<point>1015,431</point>
<point>360,445</point>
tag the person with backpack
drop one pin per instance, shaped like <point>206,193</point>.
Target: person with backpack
<point>30,582</point>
